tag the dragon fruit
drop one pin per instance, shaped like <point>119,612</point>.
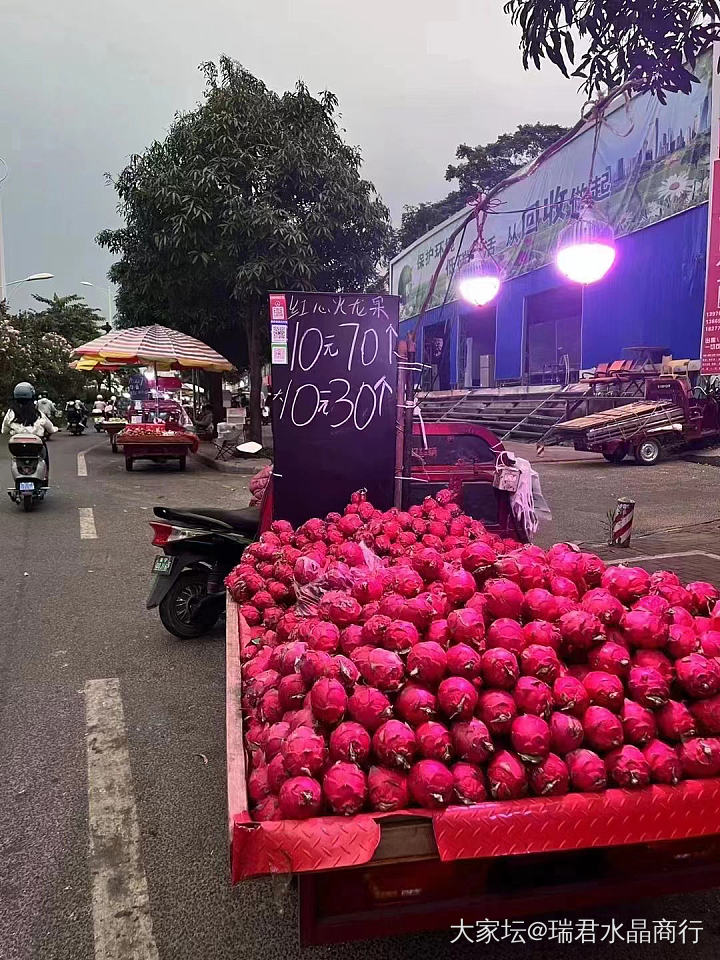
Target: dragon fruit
<point>457,698</point>
<point>602,729</point>
<point>610,657</point>
<point>593,569</point>
<point>540,662</point>
<point>566,733</point>
<point>369,707</point>
<point>507,776</point>
<point>664,578</point>
<point>603,605</point>
<point>628,584</point>
<point>407,582</point>
<point>257,785</point>
<point>504,599</point>
<point>499,668</point>
<point>675,721</point>
<point>431,784</point>
<point>276,735</point>
<point>530,737</point>
<point>648,687</point>
<point>343,669</point>
<point>391,606</point>
<point>300,798</point>
<point>416,705</point>
<point>351,639</point>
<point>655,660</point>
<point>469,784</point>
<point>345,788</point>
<point>710,644</point>
<point>466,626</point>
<point>570,695</point>
<point>506,634</point>
<point>459,586</point>
<point>703,596</point>
<point>400,636</point>
<point>604,689</point>
<point>497,710</point>
<point>324,636</point>
<point>292,691</point>
<point>563,587</point>
<point>421,610</point>
<point>478,558</point>
<point>434,741</point>
<point>580,630</point>
<point>677,596</point>
<point>373,630</point>
<point>682,641</point>
<point>259,662</point>
<point>464,661</point>
<point>700,757</point>
<point>533,696</point>
<point>328,700</point>
<point>286,657</point>
<point>387,790</point>
<point>304,752</point>
<point>439,632</point>
<point>472,741</point>
<point>663,761</point>
<point>271,707</point>
<point>277,773</point>
<point>639,726</point>
<point>586,769</point>
<point>645,630</point>
<point>314,664</point>
<point>653,604</point>
<point>680,617</point>
<point>394,744</point>
<point>707,714</point>
<point>429,564</point>
<point>427,663</point>
<point>698,675</point>
<point>542,633</point>
<point>550,777</point>
<point>627,767</point>
<point>540,604</point>
<point>383,669</point>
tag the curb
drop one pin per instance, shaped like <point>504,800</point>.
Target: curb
<point>706,459</point>
<point>247,469</point>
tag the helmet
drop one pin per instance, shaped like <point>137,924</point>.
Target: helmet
<point>99,396</point>
<point>24,391</point>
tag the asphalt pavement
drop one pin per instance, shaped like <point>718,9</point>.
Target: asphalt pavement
<point>74,622</point>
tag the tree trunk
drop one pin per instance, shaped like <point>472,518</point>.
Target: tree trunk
<point>214,383</point>
<point>255,371</point>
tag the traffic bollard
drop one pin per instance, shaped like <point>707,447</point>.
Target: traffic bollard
<point>622,522</point>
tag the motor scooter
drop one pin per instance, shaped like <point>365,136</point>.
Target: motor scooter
<point>28,468</point>
<point>76,421</point>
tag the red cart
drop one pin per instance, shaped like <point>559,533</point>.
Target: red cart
<point>154,441</point>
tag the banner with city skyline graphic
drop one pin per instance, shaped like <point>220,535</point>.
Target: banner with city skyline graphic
<point>652,162</point>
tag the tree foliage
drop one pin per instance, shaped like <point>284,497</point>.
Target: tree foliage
<point>658,41</point>
<point>69,316</point>
<point>479,169</point>
<point>251,191</point>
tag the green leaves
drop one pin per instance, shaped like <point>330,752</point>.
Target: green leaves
<point>657,41</point>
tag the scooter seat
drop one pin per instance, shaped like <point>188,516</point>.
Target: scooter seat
<point>244,521</point>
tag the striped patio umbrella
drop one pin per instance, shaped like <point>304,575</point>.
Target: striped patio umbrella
<point>156,346</point>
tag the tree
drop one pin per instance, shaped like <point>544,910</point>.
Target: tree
<point>69,316</point>
<point>480,168</point>
<point>655,41</point>
<point>251,191</point>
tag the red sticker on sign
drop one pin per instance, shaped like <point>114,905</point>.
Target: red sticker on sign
<point>278,307</point>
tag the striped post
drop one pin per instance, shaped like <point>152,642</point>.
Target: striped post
<point>622,522</point>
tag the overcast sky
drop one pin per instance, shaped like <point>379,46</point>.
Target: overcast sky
<point>85,83</point>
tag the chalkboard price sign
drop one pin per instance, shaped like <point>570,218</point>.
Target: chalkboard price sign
<point>334,382</point>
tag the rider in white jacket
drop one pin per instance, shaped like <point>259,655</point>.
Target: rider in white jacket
<point>24,417</point>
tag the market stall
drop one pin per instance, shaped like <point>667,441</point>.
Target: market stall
<point>112,428</point>
<point>158,442</point>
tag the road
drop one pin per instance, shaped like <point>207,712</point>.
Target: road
<point>73,615</point>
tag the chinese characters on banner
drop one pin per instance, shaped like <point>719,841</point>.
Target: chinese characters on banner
<point>710,355</point>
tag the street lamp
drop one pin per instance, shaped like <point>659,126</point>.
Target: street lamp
<point>586,247</point>
<point>108,290</point>
<point>28,279</point>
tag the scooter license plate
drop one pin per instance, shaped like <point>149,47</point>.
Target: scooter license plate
<point>27,487</point>
<point>163,564</point>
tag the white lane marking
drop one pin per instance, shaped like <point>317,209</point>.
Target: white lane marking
<point>81,464</point>
<point>87,523</point>
<point>122,922</point>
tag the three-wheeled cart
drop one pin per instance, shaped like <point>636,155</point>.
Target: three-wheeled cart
<point>152,441</point>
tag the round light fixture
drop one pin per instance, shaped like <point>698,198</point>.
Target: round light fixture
<point>586,248</point>
<point>479,281</point>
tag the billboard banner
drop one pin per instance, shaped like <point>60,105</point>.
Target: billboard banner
<point>652,162</point>
<point>710,348</point>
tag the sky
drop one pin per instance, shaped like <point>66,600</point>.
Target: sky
<point>85,84</point>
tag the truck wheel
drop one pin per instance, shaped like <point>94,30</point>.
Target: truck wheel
<point>616,454</point>
<point>648,452</point>
<point>178,608</point>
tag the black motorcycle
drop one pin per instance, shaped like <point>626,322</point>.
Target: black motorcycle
<point>76,421</point>
<point>200,547</point>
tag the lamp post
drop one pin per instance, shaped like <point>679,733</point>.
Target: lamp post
<point>29,279</point>
<point>108,290</point>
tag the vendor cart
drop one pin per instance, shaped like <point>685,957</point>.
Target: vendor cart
<point>154,441</point>
<point>112,428</point>
<point>666,420</point>
<point>375,875</point>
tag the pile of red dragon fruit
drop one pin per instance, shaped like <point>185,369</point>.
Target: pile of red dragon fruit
<point>403,659</point>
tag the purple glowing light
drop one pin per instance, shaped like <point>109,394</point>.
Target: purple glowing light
<point>585,262</point>
<point>480,289</point>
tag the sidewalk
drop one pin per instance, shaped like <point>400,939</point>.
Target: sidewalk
<point>528,451</point>
<point>207,453</point>
<point>692,552</point>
